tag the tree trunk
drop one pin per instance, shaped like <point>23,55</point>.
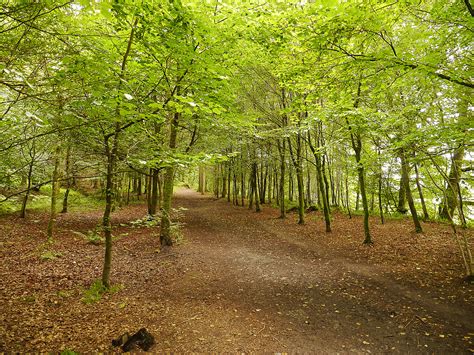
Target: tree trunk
<point>451,201</point>
<point>296,159</point>
<point>228,181</point>
<point>426,216</point>
<point>290,184</point>
<point>255,187</point>
<point>382,219</point>
<point>224,181</point>
<point>357,197</point>
<point>28,187</point>
<point>348,202</point>
<point>139,187</point>
<point>242,188</point>
<point>320,180</point>
<point>281,193</point>
<point>154,192</point>
<point>360,172</point>
<point>165,230</point>
<point>356,141</point>
<point>68,179</point>
<point>409,197</point>
<point>54,194</point>
<point>401,207</point>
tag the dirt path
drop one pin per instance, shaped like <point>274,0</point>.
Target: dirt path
<point>283,291</point>
<point>240,281</point>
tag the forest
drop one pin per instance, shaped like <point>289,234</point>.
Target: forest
<point>245,175</point>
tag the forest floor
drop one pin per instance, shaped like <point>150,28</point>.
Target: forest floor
<point>237,281</point>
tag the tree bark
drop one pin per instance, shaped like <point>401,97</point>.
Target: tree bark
<point>451,201</point>
<point>319,177</point>
<point>281,193</point>
<point>68,179</point>
<point>154,192</point>
<point>54,194</point>
<point>402,198</point>
<point>111,154</point>
<point>28,188</point>
<point>411,203</point>
<point>426,216</point>
<point>356,141</point>
<point>168,184</point>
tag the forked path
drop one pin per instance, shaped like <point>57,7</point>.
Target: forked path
<point>253,282</point>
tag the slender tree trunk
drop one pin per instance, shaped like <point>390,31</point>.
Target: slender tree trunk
<point>360,172</point>
<point>28,187</point>
<point>409,197</point>
<point>228,181</point>
<point>308,200</point>
<point>320,180</point>
<point>296,159</point>
<point>242,188</point>
<point>356,141</point>
<point>282,149</point>
<point>290,184</point>
<point>426,216</point>
<point>270,186</point>
<point>54,194</point>
<point>68,179</point>
<point>255,187</point>
<point>224,181</point>
<point>347,197</point>
<point>165,231</point>
<point>326,183</point>
<point>451,201</point>
<point>401,207</point>
<point>111,154</point>
<point>154,192</point>
<point>382,219</point>
<point>139,187</point>
<point>129,189</point>
<point>235,191</point>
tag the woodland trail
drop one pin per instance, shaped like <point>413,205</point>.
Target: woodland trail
<point>278,289</point>
<point>239,281</point>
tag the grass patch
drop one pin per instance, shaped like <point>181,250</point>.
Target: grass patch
<point>41,201</point>
<point>176,232</point>
<point>48,255</point>
<point>147,221</point>
<point>95,292</point>
<point>29,298</point>
<point>68,352</point>
<point>94,237</point>
<point>65,293</point>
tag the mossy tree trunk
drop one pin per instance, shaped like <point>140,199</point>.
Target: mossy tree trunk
<point>320,180</point>
<point>111,150</point>
<point>168,184</point>
<point>356,142</point>
<point>111,154</point>
<point>296,158</point>
<point>451,200</point>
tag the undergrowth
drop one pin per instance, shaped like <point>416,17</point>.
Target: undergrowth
<point>95,292</point>
<point>41,201</point>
